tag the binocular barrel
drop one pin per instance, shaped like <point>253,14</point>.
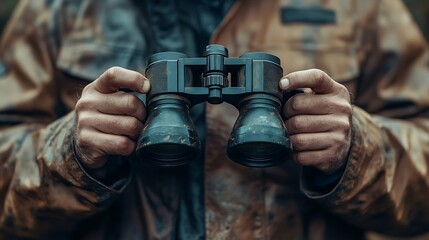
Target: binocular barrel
<point>250,83</point>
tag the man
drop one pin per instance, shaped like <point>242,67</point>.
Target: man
<point>67,173</point>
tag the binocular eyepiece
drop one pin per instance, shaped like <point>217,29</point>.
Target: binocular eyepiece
<point>250,83</point>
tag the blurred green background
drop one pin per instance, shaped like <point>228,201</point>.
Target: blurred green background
<point>418,8</point>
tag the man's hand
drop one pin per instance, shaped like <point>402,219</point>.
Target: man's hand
<point>108,121</point>
<point>318,120</point>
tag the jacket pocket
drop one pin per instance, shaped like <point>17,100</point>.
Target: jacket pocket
<point>264,26</point>
<point>331,48</point>
<point>338,62</point>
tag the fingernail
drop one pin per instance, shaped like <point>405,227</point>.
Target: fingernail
<point>146,87</point>
<point>284,83</point>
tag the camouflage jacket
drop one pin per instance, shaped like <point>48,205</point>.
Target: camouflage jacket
<point>51,49</point>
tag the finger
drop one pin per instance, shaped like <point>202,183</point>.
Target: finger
<point>314,141</point>
<point>315,79</point>
<point>112,124</point>
<point>321,159</point>
<point>115,78</point>
<point>95,144</point>
<point>305,103</point>
<point>118,103</point>
<point>315,123</point>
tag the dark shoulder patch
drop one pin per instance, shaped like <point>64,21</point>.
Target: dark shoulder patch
<point>312,15</point>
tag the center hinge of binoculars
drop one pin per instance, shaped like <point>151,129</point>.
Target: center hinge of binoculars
<point>215,76</point>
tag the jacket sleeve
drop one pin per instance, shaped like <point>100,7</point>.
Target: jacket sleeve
<point>385,186</point>
<point>43,189</point>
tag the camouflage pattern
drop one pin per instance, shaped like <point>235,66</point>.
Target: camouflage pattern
<point>53,48</point>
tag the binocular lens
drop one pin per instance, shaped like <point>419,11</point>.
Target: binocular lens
<point>169,137</point>
<point>259,137</point>
<point>169,154</point>
<point>258,154</point>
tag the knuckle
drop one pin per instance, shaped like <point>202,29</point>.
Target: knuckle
<point>337,143</point>
<point>348,109</point>
<point>294,104</point>
<point>297,142</point>
<point>344,91</point>
<point>84,139</point>
<point>135,125</point>
<point>345,108</point>
<point>138,79</point>
<point>124,146</point>
<point>300,159</point>
<point>84,120</point>
<point>121,144</point>
<point>318,75</point>
<point>131,102</point>
<point>340,105</point>
<point>111,72</point>
<point>343,124</point>
<point>82,104</point>
<point>294,124</point>
<point>321,78</point>
<point>87,89</point>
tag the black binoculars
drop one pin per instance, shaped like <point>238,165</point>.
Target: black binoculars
<point>250,83</point>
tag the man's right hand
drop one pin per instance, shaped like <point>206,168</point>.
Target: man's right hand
<point>109,121</point>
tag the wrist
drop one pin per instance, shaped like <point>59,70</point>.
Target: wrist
<point>319,181</point>
<point>112,169</point>
<point>322,182</point>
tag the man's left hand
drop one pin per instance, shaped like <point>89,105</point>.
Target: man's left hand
<point>318,120</point>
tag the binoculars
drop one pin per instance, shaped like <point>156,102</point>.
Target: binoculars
<point>250,83</point>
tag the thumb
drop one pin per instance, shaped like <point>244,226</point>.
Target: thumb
<point>315,79</point>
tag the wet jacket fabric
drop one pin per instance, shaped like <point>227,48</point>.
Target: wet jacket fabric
<point>51,49</point>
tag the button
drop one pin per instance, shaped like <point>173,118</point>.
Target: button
<point>3,68</point>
